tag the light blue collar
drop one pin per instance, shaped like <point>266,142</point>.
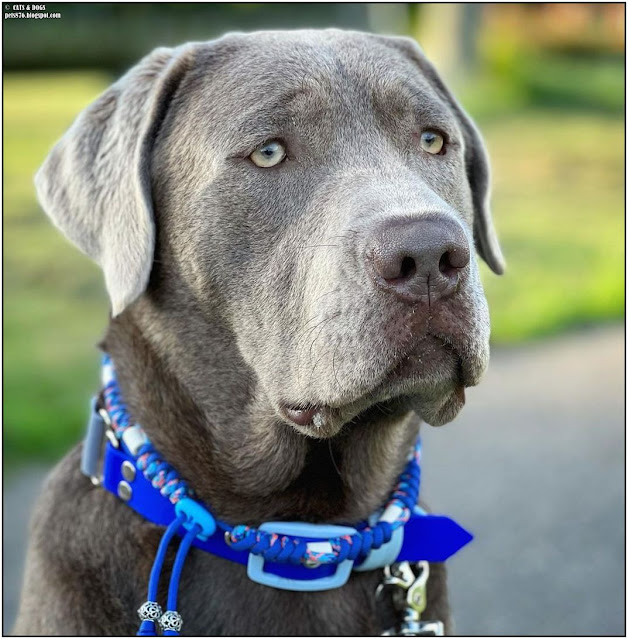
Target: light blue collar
<point>286,555</point>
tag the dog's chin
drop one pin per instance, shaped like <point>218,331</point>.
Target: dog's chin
<point>434,388</point>
<point>324,421</point>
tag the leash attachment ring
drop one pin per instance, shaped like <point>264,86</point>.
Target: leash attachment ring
<point>409,597</point>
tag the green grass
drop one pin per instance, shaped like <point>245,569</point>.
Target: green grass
<point>559,209</point>
<point>558,205</point>
<point>510,78</point>
<point>55,309</point>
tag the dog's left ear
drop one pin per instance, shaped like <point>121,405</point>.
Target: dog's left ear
<point>476,159</point>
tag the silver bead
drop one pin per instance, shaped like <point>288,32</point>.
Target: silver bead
<point>171,620</point>
<point>150,611</point>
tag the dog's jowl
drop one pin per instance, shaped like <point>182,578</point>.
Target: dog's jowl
<point>288,224</point>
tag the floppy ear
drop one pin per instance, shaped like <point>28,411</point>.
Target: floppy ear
<point>476,160</point>
<point>95,183</point>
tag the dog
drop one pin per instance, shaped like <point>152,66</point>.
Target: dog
<point>286,223</point>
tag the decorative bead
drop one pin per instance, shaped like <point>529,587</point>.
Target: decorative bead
<point>171,620</point>
<point>150,611</point>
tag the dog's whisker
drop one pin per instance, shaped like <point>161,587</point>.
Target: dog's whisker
<point>333,460</point>
<point>311,246</point>
<point>302,337</point>
<point>333,366</point>
<point>320,333</point>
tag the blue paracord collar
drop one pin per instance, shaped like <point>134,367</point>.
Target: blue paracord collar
<point>287,555</point>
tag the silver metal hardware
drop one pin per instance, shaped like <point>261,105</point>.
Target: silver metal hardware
<point>397,579</point>
<point>228,538</point>
<point>416,598</point>
<point>409,597</point>
<point>125,492</point>
<point>128,471</point>
<point>171,620</point>
<point>150,611</point>
<point>422,629</point>
<point>399,575</point>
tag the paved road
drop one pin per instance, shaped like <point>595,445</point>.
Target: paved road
<point>534,466</point>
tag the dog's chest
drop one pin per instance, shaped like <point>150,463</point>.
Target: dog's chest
<point>217,598</point>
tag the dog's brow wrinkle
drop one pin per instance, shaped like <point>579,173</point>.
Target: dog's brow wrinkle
<point>269,116</point>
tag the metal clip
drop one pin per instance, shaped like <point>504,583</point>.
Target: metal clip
<point>423,629</point>
<point>416,597</point>
<point>398,575</point>
<point>402,579</point>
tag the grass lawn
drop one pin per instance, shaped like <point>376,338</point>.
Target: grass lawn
<point>558,205</point>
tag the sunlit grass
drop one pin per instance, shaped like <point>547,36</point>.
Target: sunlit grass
<point>559,210</point>
<point>54,306</point>
<point>558,204</point>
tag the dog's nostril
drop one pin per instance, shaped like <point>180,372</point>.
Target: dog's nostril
<point>408,268</point>
<point>445,266</point>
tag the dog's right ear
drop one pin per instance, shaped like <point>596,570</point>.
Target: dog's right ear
<point>95,183</point>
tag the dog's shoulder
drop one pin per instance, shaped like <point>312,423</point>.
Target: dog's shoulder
<point>84,544</point>
<point>68,509</point>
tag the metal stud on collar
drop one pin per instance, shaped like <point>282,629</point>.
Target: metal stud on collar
<point>125,492</point>
<point>128,471</point>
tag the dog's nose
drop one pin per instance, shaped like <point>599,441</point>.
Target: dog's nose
<point>418,259</point>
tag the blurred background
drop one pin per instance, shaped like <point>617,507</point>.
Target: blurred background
<point>534,466</point>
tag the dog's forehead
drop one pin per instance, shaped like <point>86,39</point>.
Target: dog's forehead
<point>300,72</point>
<point>327,52</point>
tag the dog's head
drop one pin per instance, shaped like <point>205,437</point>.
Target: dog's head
<point>321,190</point>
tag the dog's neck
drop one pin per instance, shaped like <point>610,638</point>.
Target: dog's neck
<point>213,424</point>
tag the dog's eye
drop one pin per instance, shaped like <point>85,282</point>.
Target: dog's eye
<point>432,142</point>
<point>269,154</point>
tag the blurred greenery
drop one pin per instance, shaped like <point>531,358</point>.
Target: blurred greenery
<point>554,128</point>
<point>54,302</point>
<point>114,35</point>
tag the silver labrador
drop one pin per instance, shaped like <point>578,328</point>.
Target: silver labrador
<point>286,223</point>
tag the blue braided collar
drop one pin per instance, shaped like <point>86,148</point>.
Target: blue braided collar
<point>288,555</point>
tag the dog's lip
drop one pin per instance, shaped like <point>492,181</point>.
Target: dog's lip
<point>301,416</point>
<point>307,414</point>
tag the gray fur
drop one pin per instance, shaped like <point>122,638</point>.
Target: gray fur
<point>95,184</point>
<point>236,289</point>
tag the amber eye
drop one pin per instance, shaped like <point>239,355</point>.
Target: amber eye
<point>432,142</point>
<point>269,154</point>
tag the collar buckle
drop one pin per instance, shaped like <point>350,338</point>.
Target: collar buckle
<point>311,576</point>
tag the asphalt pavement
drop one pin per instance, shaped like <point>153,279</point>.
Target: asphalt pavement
<point>534,466</point>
